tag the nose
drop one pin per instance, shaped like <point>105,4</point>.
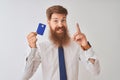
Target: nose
<point>60,24</point>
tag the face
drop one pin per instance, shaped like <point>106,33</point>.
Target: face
<point>57,22</point>
<point>58,29</point>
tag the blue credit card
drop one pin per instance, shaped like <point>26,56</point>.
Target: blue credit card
<point>41,29</point>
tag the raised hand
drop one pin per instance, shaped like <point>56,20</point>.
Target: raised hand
<point>31,38</point>
<point>80,38</point>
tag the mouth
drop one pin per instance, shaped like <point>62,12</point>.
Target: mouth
<point>60,31</point>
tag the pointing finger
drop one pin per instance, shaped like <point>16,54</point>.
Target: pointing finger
<point>78,28</point>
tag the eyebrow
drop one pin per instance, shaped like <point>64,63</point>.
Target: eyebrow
<point>57,18</point>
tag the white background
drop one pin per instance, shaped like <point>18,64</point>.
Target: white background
<point>99,20</point>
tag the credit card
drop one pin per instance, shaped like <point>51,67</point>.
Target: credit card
<point>41,29</point>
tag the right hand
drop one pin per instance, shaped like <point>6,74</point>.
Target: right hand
<point>31,38</point>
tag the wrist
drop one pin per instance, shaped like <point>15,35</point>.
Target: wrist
<point>87,46</point>
<point>33,46</point>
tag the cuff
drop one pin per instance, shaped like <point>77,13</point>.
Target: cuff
<point>32,53</point>
<point>89,54</point>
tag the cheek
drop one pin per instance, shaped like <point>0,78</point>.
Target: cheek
<point>52,26</point>
<point>65,25</point>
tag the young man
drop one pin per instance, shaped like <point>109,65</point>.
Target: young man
<point>48,53</point>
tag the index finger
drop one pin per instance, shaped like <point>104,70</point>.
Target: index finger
<point>78,28</point>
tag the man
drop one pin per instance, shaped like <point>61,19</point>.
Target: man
<point>47,53</point>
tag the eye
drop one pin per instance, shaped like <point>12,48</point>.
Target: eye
<point>63,20</point>
<point>56,21</point>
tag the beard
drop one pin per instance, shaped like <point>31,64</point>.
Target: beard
<point>59,39</point>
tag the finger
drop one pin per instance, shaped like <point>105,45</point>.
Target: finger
<point>78,37</point>
<point>78,28</point>
<point>76,34</point>
<point>35,33</point>
<point>32,40</point>
<point>32,34</point>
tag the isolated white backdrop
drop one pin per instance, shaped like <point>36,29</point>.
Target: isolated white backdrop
<point>99,20</point>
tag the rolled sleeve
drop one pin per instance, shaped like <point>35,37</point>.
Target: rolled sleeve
<point>89,54</point>
<point>92,68</point>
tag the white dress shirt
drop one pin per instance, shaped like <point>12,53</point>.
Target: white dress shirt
<point>46,53</point>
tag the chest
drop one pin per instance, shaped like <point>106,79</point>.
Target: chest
<point>50,56</point>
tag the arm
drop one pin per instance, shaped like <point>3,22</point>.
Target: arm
<point>88,56</point>
<point>33,60</point>
<point>32,63</point>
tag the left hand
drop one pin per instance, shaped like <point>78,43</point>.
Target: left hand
<point>79,37</point>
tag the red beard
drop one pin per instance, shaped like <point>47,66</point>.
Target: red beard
<point>59,39</point>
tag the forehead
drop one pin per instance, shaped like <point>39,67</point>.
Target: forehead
<point>58,16</point>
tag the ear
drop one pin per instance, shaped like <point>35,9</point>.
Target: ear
<point>48,21</point>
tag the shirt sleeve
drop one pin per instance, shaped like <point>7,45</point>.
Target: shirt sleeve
<point>32,63</point>
<point>92,68</point>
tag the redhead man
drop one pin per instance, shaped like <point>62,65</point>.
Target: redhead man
<point>48,52</point>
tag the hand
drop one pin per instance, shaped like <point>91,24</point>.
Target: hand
<point>80,38</point>
<point>31,38</point>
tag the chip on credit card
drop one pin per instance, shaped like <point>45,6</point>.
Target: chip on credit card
<point>41,29</point>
